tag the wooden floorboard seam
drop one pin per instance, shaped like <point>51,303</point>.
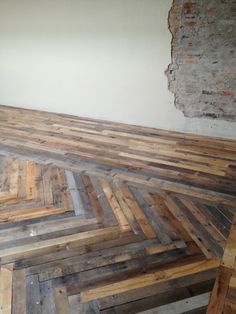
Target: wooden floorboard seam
<point>103,217</point>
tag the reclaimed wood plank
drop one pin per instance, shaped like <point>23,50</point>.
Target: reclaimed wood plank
<point>148,279</point>
<point>6,273</point>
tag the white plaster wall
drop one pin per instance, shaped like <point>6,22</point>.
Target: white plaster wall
<point>95,58</point>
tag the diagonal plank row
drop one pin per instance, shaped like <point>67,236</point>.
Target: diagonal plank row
<point>108,238</point>
<point>88,228</point>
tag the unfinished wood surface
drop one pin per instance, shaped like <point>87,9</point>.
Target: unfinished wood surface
<point>101,217</point>
<point>223,297</point>
<point>6,272</point>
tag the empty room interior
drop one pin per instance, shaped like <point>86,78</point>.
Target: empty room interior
<point>117,157</point>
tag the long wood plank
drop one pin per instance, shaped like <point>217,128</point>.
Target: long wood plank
<point>148,279</point>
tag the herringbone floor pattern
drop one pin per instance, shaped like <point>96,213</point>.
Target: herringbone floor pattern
<point>79,235</point>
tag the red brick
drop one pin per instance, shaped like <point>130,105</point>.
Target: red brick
<point>211,10</point>
<point>190,24</point>
<point>187,7</point>
<point>190,61</point>
<point>226,93</point>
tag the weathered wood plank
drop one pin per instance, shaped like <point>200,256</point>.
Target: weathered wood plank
<point>6,273</point>
<point>19,292</point>
<point>148,279</point>
<point>83,238</point>
<point>182,306</point>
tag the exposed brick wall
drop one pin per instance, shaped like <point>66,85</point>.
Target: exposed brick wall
<point>202,74</point>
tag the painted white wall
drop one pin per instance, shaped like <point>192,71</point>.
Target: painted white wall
<point>102,59</point>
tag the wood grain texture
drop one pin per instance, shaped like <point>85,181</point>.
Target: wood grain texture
<point>6,273</point>
<point>223,297</point>
<point>102,217</point>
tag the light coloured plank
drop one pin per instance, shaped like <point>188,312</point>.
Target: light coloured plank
<point>61,300</point>
<point>138,213</point>
<point>6,273</point>
<point>115,205</point>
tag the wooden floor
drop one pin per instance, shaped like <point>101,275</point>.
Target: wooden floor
<point>100,217</point>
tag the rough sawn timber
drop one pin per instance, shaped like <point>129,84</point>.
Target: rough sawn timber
<point>103,217</point>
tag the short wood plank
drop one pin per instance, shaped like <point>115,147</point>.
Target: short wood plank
<point>61,300</point>
<point>115,205</point>
<point>19,292</point>
<point>6,273</point>
<point>138,213</point>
